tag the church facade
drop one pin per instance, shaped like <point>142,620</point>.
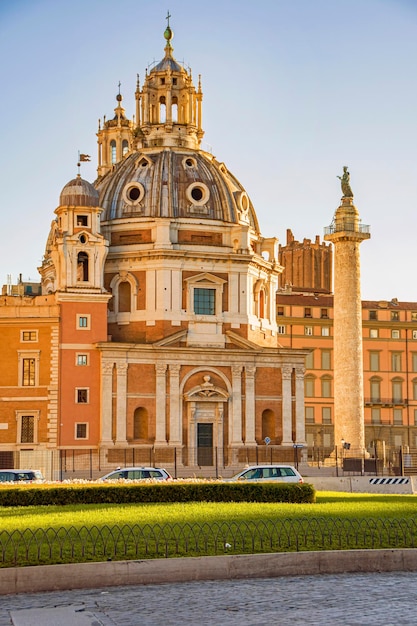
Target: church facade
<point>158,306</point>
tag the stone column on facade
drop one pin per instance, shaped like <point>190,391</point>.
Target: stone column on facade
<point>175,425</point>
<point>286,406</point>
<point>160,404</point>
<point>250,405</point>
<point>121,402</point>
<point>107,403</point>
<point>300,429</point>
<point>235,429</point>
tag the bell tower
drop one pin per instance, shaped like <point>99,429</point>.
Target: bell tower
<point>76,250</point>
<point>114,138</point>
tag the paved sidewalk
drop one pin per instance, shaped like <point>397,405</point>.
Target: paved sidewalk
<point>382,599</point>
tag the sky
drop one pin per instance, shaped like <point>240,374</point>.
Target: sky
<point>293,91</point>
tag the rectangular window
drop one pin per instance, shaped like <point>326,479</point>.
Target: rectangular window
<point>398,441</point>
<point>395,334</point>
<point>326,415</point>
<point>204,301</point>
<point>326,388</point>
<point>81,431</point>
<point>308,330</point>
<point>281,330</point>
<point>82,396</point>
<point>280,310</point>
<point>82,220</point>
<point>325,331</point>
<point>27,429</point>
<point>414,361</point>
<point>398,417</point>
<point>374,361</point>
<point>375,391</point>
<point>309,387</point>
<point>324,314</point>
<point>373,333</point>
<point>29,372</point>
<point>414,334</point>
<point>376,415</point>
<point>373,315</point>
<point>414,390</point>
<point>307,312</point>
<point>29,335</point>
<point>397,391</point>
<point>82,321</point>
<point>325,360</point>
<point>82,359</point>
<point>309,414</point>
<point>396,361</point>
<point>310,360</point>
<point>415,417</point>
<point>414,316</point>
<point>395,316</point>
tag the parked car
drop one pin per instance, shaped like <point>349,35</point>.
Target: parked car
<point>263,473</point>
<point>21,475</point>
<point>137,473</point>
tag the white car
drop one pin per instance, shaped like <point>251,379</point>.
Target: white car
<point>21,475</point>
<point>137,473</point>
<point>264,473</point>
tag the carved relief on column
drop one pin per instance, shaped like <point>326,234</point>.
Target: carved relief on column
<point>300,430</point>
<point>121,402</point>
<point>286,372</point>
<point>250,404</point>
<point>160,404</point>
<point>235,432</point>
<point>175,409</point>
<point>106,402</point>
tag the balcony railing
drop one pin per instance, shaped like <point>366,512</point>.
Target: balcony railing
<point>347,225</point>
<point>386,401</point>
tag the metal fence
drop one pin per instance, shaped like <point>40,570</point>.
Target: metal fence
<point>75,544</point>
<point>185,461</point>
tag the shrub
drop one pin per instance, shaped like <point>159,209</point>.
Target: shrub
<point>181,491</point>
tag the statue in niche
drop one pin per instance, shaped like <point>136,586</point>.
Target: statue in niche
<point>345,183</point>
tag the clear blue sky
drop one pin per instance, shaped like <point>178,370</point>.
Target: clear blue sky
<point>293,90</point>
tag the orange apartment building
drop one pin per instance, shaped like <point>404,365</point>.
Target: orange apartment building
<point>389,335</point>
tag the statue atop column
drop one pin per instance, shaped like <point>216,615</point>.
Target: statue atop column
<point>345,183</point>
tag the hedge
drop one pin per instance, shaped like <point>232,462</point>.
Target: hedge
<point>42,495</point>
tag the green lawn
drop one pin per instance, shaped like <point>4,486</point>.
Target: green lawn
<point>52,534</point>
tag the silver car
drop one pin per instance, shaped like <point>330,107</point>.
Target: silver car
<point>137,473</point>
<point>21,475</point>
<point>263,473</point>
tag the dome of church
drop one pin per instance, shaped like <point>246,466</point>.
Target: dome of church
<point>79,192</point>
<point>174,183</point>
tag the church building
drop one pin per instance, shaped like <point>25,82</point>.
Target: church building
<point>155,339</point>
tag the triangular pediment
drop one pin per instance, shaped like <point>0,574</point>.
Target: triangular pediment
<point>241,342</point>
<point>205,278</point>
<point>166,341</point>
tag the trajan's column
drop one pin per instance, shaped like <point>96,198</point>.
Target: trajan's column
<point>346,233</point>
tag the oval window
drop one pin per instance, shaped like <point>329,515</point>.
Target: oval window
<point>133,193</point>
<point>196,194</point>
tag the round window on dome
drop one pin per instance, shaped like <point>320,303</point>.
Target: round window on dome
<point>133,193</point>
<point>189,163</point>
<point>198,193</point>
<point>244,202</point>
